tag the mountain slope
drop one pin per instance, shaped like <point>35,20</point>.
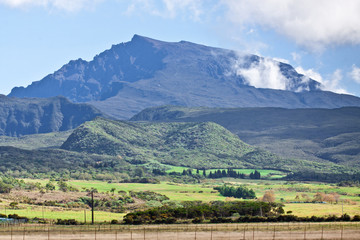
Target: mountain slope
<point>27,163</point>
<point>197,145</point>
<point>20,116</point>
<point>145,72</point>
<point>315,134</point>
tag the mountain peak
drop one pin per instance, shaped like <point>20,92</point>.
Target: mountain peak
<point>147,72</point>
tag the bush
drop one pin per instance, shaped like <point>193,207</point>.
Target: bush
<point>196,220</point>
<point>67,222</point>
<point>114,221</point>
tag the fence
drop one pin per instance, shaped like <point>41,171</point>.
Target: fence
<point>335,230</point>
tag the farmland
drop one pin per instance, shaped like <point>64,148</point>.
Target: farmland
<point>297,197</point>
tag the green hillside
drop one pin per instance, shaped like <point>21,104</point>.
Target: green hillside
<point>321,135</point>
<point>52,162</point>
<point>196,145</point>
<point>36,141</point>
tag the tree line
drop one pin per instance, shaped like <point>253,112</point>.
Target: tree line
<point>237,192</point>
<point>196,212</point>
<point>217,173</point>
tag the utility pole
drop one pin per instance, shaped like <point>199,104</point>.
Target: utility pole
<point>92,207</point>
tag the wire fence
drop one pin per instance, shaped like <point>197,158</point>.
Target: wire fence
<point>334,230</point>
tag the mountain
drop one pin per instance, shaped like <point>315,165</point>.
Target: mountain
<point>23,116</point>
<point>196,145</point>
<point>330,135</point>
<point>145,72</point>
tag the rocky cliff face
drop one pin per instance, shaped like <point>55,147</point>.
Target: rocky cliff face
<point>22,116</point>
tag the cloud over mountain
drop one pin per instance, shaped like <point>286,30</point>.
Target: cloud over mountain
<point>312,24</point>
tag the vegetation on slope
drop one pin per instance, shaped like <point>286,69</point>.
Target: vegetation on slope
<point>322,135</point>
<point>197,145</point>
<point>59,163</point>
<point>36,141</point>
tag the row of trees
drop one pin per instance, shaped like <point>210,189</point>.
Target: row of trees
<point>198,212</point>
<point>216,173</point>
<point>237,192</point>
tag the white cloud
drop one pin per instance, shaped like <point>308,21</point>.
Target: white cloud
<point>296,57</point>
<point>355,73</point>
<point>331,83</point>
<point>263,74</point>
<point>312,24</point>
<point>67,5</point>
<point>169,8</point>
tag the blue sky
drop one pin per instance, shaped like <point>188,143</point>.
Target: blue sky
<point>319,38</point>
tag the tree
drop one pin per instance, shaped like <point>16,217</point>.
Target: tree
<point>50,186</point>
<point>255,175</point>
<point>13,205</point>
<point>63,186</point>
<point>5,188</point>
<point>269,196</point>
<point>139,172</point>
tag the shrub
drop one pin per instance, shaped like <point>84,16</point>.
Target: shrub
<point>67,222</point>
<point>114,221</point>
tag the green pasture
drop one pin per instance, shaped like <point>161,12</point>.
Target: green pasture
<point>319,209</point>
<point>285,192</point>
<point>62,213</point>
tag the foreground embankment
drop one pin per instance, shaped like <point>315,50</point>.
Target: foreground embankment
<point>334,230</point>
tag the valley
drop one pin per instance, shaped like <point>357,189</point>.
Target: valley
<point>153,132</point>
<point>296,197</point>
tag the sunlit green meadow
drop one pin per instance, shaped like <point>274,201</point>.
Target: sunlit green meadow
<point>285,192</point>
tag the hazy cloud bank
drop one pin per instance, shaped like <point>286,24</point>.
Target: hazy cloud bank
<point>66,5</point>
<point>330,83</point>
<point>312,24</point>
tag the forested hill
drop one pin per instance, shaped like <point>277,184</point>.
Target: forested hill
<point>331,135</point>
<point>23,116</point>
<point>196,145</point>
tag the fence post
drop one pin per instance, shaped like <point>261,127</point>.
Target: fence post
<point>195,232</point>
<point>342,228</point>
<point>274,234</point>
<point>95,232</point>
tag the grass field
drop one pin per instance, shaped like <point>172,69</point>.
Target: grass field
<point>285,192</point>
<point>62,213</point>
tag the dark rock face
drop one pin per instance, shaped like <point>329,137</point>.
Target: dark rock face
<point>22,116</point>
<point>145,72</point>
